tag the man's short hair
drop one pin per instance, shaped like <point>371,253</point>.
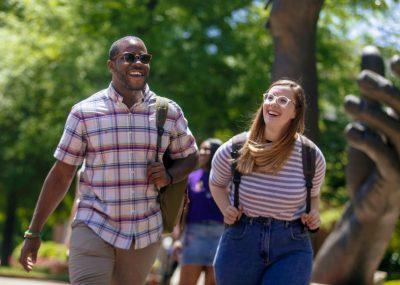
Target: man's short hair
<point>114,49</point>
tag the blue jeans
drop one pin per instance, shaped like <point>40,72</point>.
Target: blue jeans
<point>264,251</point>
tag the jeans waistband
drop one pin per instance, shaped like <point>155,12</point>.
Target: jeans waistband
<point>269,220</point>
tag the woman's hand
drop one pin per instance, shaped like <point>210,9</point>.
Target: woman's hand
<point>232,214</point>
<point>176,250</point>
<point>311,220</point>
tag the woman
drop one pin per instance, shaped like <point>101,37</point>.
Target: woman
<point>203,223</point>
<point>267,240</point>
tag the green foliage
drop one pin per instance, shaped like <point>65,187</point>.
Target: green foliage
<point>19,272</point>
<point>391,261</point>
<point>329,216</point>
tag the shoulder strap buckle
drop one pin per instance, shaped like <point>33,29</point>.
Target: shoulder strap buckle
<point>161,117</point>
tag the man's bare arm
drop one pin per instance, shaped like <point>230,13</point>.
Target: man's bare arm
<point>53,191</point>
<point>182,167</point>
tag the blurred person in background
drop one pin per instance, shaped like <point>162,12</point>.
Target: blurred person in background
<point>203,223</point>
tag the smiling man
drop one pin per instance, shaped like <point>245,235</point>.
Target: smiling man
<point>117,229</point>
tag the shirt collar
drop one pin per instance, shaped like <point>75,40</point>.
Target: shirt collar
<point>116,97</point>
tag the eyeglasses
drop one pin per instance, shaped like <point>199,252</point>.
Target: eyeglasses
<point>282,101</point>
<point>133,57</point>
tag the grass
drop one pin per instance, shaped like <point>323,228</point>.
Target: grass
<point>19,272</point>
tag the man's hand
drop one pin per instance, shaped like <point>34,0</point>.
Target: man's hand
<point>29,253</point>
<point>157,175</point>
<point>232,214</point>
<point>311,220</point>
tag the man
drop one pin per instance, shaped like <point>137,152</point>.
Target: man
<point>117,229</point>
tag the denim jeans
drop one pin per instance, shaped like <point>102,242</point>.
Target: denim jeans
<point>264,251</point>
<point>200,242</point>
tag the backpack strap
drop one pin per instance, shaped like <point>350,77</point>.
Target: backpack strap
<point>308,153</point>
<point>161,117</point>
<point>237,144</point>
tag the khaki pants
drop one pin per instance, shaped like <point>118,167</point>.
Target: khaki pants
<point>93,261</point>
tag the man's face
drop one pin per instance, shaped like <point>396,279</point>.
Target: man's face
<point>127,74</point>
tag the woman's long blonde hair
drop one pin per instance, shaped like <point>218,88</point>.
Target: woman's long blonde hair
<point>255,153</point>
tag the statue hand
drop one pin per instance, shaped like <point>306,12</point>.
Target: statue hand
<point>381,142</point>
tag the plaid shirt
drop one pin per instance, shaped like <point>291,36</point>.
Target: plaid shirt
<point>115,199</point>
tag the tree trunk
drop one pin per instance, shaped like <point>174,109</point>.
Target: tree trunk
<point>293,25</point>
<point>8,232</point>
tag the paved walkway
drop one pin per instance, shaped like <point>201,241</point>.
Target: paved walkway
<point>23,281</point>
<point>20,281</point>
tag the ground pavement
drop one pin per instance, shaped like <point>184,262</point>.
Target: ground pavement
<point>20,281</point>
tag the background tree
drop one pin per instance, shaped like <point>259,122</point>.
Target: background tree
<point>293,25</point>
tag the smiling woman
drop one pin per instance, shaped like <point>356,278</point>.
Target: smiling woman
<point>267,236</point>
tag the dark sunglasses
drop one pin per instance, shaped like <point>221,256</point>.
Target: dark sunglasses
<point>133,57</point>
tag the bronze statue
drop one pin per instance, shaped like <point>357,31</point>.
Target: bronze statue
<point>353,251</point>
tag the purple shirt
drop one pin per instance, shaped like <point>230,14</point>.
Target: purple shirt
<point>201,206</point>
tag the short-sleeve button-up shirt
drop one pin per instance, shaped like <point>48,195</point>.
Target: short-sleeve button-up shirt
<point>116,144</point>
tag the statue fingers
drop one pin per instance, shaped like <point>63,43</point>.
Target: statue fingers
<point>372,145</point>
<point>375,87</point>
<point>375,118</point>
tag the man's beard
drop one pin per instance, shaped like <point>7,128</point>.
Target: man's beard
<point>125,81</point>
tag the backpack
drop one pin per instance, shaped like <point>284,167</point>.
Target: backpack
<point>308,154</point>
<point>173,197</point>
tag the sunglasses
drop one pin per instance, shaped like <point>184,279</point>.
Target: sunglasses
<point>133,57</point>
<point>282,101</point>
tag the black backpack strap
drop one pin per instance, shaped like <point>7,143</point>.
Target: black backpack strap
<point>161,117</point>
<point>308,153</point>
<point>237,144</point>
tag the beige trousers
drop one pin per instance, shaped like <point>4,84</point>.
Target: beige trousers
<point>93,261</point>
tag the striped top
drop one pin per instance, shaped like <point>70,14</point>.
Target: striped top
<point>115,199</point>
<point>281,196</point>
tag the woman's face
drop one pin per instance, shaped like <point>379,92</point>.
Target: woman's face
<point>204,154</point>
<point>279,107</point>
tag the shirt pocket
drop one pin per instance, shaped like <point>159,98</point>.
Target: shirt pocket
<point>103,148</point>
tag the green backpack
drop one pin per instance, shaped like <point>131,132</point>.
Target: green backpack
<point>173,197</point>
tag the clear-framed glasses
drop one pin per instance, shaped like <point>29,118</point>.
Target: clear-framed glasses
<point>282,101</point>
